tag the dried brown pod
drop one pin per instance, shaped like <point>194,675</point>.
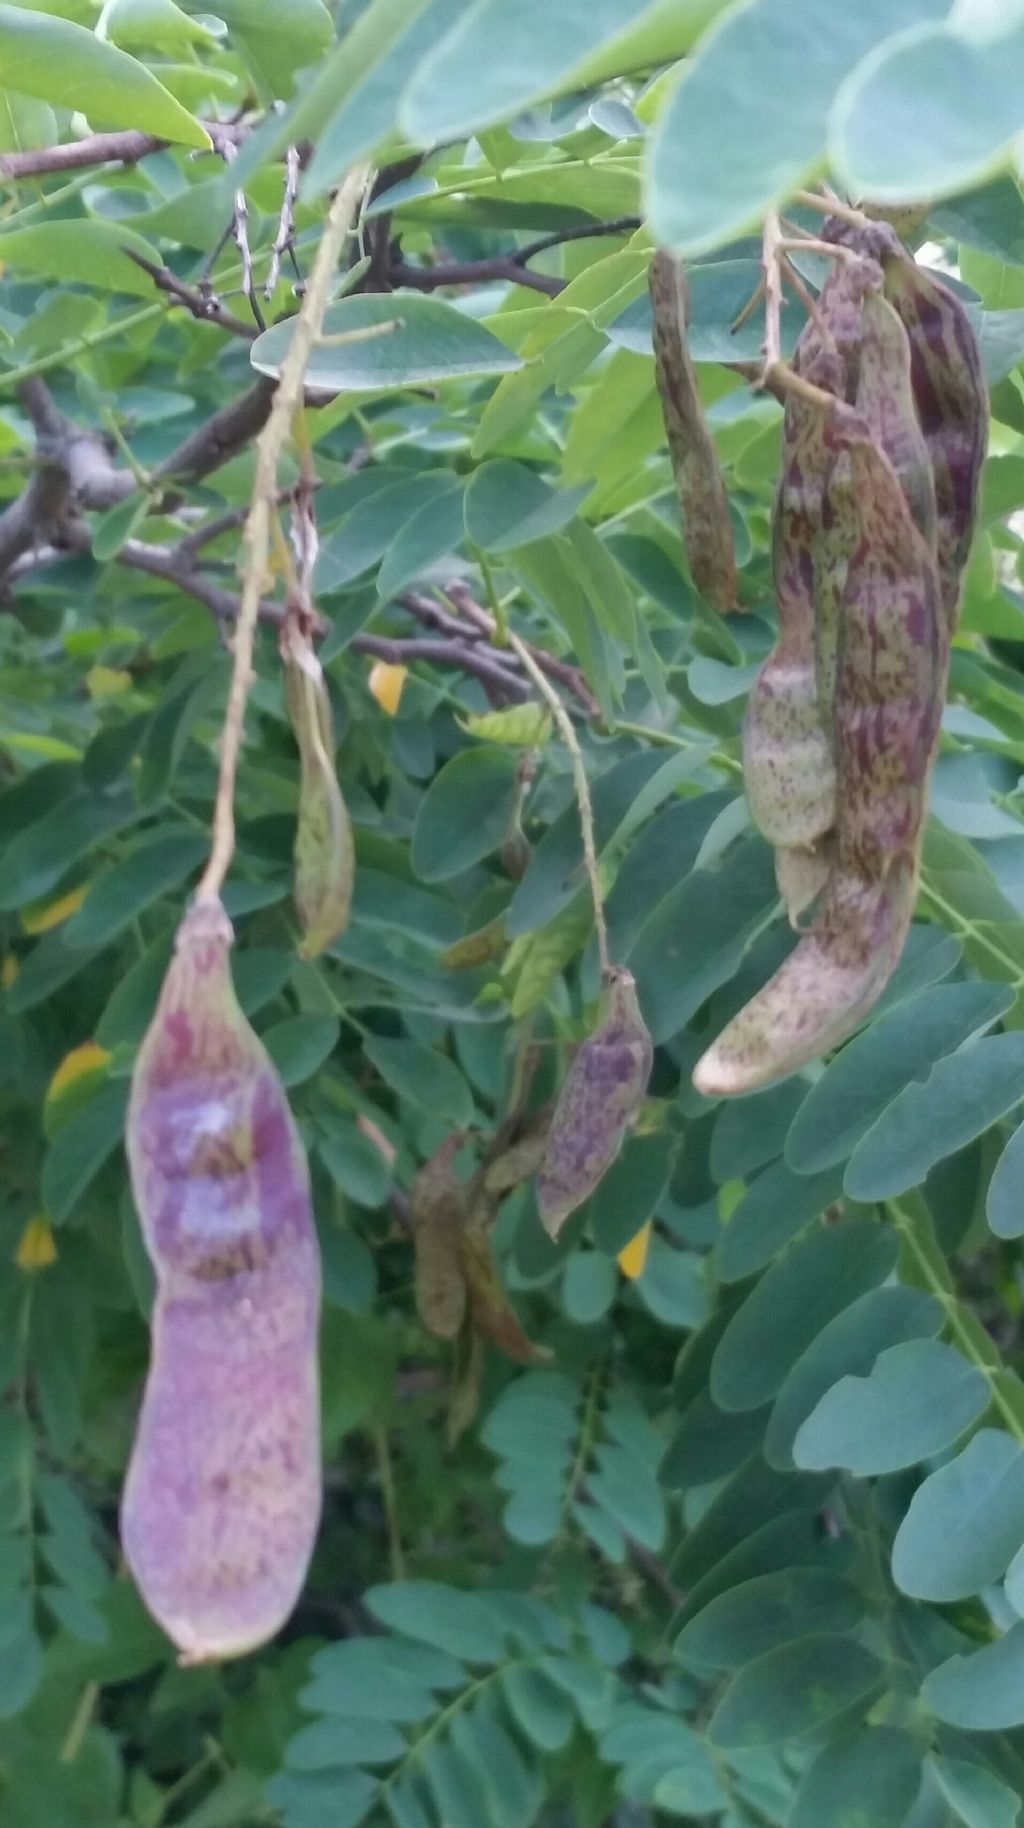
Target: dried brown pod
<point>222,1495</point>
<point>700,486</point>
<point>437,1216</point>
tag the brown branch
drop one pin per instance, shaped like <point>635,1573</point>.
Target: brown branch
<point>104,149</point>
<point>512,265</point>
<point>224,434</point>
<point>207,308</point>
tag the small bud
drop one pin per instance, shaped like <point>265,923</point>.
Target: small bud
<point>602,1093</point>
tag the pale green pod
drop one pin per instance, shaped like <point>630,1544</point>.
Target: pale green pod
<point>324,848</point>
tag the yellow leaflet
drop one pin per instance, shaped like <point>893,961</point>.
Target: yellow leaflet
<point>9,970</point>
<point>633,1256</point>
<point>43,915</point>
<point>387,684</point>
<point>89,1057</point>
<point>36,1248</point>
<point>107,681</point>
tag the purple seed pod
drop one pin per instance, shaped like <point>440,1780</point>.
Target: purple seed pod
<point>952,406</point>
<point>602,1093</point>
<point>324,850</point>
<point>222,1497</point>
<point>890,687</point>
<point>700,486</point>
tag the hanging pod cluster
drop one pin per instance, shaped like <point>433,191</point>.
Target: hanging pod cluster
<point>222,1497</point>
<point>873,521</point>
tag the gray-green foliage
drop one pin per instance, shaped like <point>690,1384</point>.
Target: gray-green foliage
<point>749,1545</point>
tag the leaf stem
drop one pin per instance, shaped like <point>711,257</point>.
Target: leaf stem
<point>256,535</point>
<point>583,800</point>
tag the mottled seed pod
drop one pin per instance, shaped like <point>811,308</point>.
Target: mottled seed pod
<point>602,1093</point>
<point>494,1317</point>
<point>788,763</point>
<point>700,486</point>
<point>324,851</point>
<point>437,1217</point>
<point>890,686</point>
<point>222,1496</point>
<point>952,406</point>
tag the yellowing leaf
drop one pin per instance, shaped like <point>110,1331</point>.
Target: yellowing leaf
<point>9,970</point>
<point>89,1057</point>
<point>107,681</point>
<point>43,915</point>
<point>387,684</point>
<point>36,1248</point>
<point>633,1256</point>
<point>525,726</point>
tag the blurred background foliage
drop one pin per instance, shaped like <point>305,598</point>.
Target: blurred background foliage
<point>748,1545</point>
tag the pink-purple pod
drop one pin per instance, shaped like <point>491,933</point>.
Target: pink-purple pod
<point>601,1095</point>
<point>222,1497</point>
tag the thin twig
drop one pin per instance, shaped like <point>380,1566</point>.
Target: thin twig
<point>473,273</point>
<point>286,220</point>
<point>830,206</point>
<point>206,308</point>
<point>775,369</point>
<point>583,800</point>
<point>99,149</point>
<point>269,448</point>
<point>566,674</point>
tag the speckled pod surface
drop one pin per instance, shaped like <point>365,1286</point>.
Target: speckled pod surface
<point>324,850</point>
<point>700,485</point>
<point>890,688</point>
<point>222,1497</point>
<point>602,1092</point>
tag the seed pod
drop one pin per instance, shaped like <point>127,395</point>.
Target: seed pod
<point>890,687</point>
<point>324,852</point>
<point>788,765</point>
<point>222,1496</point>
<point>437,1216</point>
<point>602,1093</point>
<point>494,1317</point>
<point>700,486</point>
<point>952,406</point>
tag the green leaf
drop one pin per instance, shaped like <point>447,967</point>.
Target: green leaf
<point>432,1613</point>
<point>354,1163</point>
<point>917,1399</point>
<point>333,1742</point>
<point>121,892</point>
<point>39,856</point>
<point>974,1794</point>
<point>431,535</point>
<point>932,113</point>
<point>630,1191</point>
<point>1004,1206</point>
<point>423,1076</point>
<point>775,1206</point>
<point>514,1791</point>
<point>673,1285</point>
<point>276,37</point>
<point>299,1045</point>
<point>369,529</point>
<point>61,62</point>
<point>379,1678</point>
<point>508,505</point>
<point>865,1077</point>
<point>964,1523</point>
<point>793,1690</point>
<point>432,341</point>
<point>340,1800</point>
<point>80,1148</point>
<point>758,1615</point>
<point>848,1346</point>
<point>352,100</point>
<point>465,813</point>
<point>157,24</point>
<point>868,1780</point>
<point>516,58</point>
<point>538,1706</point>
<point>792,1303</point>
<point>588,1287</point>
<point>982,1693</point>
<point>750,1132</point>
<point>747,123</point>
<point>962,1096</point>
